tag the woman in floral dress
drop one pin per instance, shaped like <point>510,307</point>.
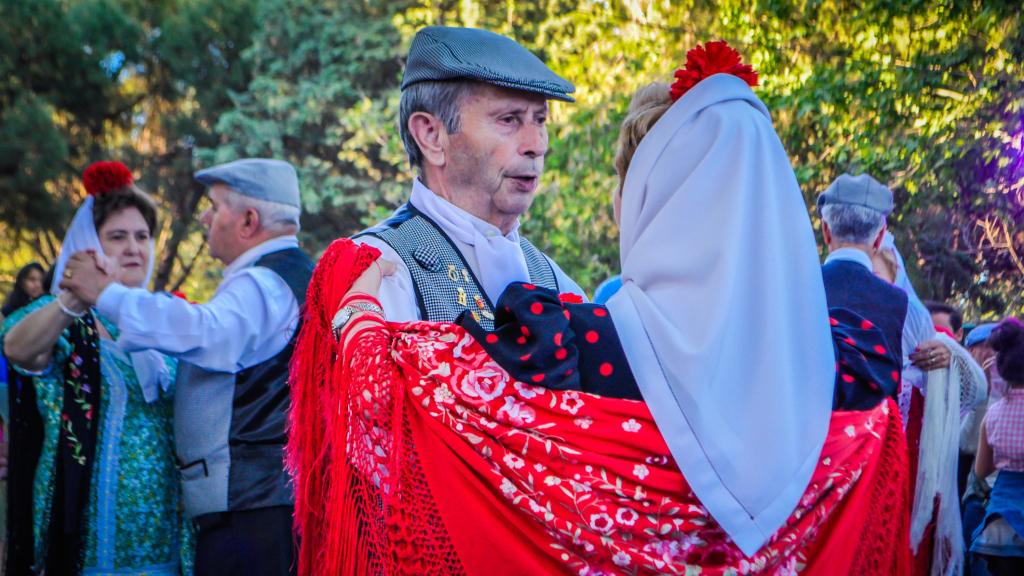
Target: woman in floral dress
<point>106,494</point>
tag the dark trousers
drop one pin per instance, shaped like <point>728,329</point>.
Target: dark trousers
<point>246,543</point>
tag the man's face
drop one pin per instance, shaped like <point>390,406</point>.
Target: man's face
<point>942,319</point>
<point>221,222</point>
<point>494,162</point>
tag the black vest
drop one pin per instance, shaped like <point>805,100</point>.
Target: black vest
<point>445,285</point>
<point>260,410</point>
<point>230,428</point>
<point>852,286</point>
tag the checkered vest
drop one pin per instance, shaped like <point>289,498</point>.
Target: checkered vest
<point>445,284</point>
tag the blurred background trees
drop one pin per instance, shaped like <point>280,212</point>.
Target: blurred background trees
<point>926,95</point>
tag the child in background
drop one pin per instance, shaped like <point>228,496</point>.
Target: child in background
<point>1000,537</point>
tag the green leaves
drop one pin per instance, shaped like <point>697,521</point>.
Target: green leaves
<point>927,95</point>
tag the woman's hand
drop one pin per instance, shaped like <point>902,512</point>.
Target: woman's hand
<point>931,355</point>
<point>370,280</point>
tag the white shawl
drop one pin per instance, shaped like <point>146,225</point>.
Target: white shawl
<point>722,310</point>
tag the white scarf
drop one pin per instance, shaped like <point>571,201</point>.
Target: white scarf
<point>720,269</point>
<point>499,257</point>
<point>149,365</point>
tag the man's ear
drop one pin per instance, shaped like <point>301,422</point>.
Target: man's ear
<point>431,136</point>
<point>826,234</point>
<point>249,223</point>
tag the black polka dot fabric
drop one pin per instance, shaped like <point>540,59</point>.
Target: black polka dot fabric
<point>867,369</point>
<point>540,339</point>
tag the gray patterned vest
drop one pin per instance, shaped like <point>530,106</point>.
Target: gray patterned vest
<point>445,284</point>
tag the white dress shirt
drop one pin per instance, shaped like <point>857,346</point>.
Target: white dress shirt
<point>495,258</point>
<point>251,317</point>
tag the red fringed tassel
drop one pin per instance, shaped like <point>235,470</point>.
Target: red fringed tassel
<point>316,422</point>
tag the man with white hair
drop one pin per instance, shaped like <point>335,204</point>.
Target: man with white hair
<point>473,119</point>
<point>853,211</point>
<point>232,394</point>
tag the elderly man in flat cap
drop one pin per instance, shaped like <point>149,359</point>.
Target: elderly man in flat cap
<point>853,214</point>
<point>232,394</point>
<point>473,120</point>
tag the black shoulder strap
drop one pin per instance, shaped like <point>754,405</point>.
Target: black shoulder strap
<point>293,266</point>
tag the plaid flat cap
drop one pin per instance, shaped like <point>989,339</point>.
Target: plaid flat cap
<point>259,178</point>
<point>445,53</point>
<point>860,190</point>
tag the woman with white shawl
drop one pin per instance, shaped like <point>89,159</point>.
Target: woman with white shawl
<point>733,462</point>
<point>949,393</point>
<point>106,488</point>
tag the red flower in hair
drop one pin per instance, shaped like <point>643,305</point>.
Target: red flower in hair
<point>102,177</point>
<point>712,58</point>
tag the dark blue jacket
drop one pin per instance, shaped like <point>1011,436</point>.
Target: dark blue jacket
<point>852,286</point>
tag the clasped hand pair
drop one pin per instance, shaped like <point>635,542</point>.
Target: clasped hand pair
<point>87,274</point>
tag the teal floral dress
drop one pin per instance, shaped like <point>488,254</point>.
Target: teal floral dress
<point>134,523</point>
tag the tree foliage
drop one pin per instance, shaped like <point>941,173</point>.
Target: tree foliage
<point>927,95</point>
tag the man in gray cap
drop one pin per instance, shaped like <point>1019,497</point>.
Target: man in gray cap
<point>853,211</point>
<point>473,120</point>
<point>231,396</point>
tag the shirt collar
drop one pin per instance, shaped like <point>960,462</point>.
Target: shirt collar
<point>256,252</point>
<point>438,209</point>
<point>851,255</point>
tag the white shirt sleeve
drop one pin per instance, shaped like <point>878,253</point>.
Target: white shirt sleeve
<point>397,293</point>
<point>251,318</point>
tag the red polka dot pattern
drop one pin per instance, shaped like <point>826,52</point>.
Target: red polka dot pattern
<point>606,369</point>
<point>536,307</point>
<point>592,337</point>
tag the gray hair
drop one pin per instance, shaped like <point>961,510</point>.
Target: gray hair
<point>274,216</point>
<point>853,224</point>
<point>438,98</point>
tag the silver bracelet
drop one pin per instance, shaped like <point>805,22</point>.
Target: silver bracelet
<point>346,313</point>
<point>69,311</point>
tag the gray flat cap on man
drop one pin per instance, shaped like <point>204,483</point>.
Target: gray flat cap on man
<point>259,178</point>
<point>443,53</point>
<point>862,190</point>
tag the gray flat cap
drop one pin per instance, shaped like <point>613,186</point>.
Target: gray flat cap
<point>259,178</point>
<point>862,190</point>
<point>443,53</point>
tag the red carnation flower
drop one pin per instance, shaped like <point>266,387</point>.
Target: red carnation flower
<point>102,177</point>
<point>712,58</point>
<point>570,298</point>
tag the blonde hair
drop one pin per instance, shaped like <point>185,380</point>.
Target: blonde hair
<point>648,105</point>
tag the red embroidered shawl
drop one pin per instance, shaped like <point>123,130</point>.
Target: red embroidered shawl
<point>414,453</point>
